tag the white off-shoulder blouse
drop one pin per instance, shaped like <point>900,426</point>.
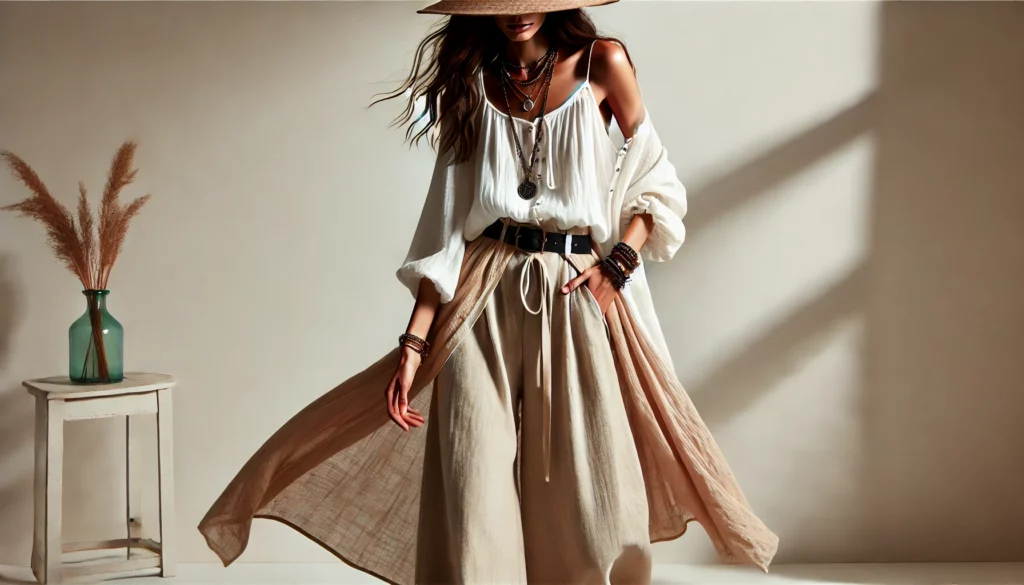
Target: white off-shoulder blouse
<point>578,165</point>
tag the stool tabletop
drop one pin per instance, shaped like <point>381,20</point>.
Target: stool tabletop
<point>62,388</point>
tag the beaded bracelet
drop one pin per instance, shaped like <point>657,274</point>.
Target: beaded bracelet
<point>418,344</point>
<point>623,265</point>
<point>620,264</point>
<point>614,272</point>
<point>626,256</point>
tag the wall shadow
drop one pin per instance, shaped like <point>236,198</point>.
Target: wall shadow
<point>940,291</point>
<point>943,374</point>
<point>731,387</point>
<point>16,423</point>
<point>776,353</point>
<point>803,150</point>
<point>9,304</point>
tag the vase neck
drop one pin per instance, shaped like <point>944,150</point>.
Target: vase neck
<point>96,298</point>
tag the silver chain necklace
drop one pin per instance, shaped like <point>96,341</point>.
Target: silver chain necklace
<point>527,99</point>
<point>528,189</point>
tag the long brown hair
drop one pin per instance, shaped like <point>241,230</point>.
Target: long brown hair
<point>445,67</point>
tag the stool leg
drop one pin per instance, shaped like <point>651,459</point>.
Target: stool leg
<point>165,442</point>
<point>39,481</point>
<point>49,480</point>
<point>133,519</point>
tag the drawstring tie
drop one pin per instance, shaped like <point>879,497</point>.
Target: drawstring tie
<point>545,348</point>
<point>548,158</point>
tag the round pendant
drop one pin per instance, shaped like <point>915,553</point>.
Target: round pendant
<point>527,105</point>
<point>527,189</point>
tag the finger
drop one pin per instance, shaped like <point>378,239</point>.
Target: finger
<point>401,422</point>
<point>400,406</point>
<point>414,422</point>
<point>412,415</point>
<point>397,417</point>
<point>575,282</point>
<point>394,417</point>
<point>396,395</point>
<point>389,395</point>
<point>393,408</point>
<point>393,414</point>
<point>403,402</point>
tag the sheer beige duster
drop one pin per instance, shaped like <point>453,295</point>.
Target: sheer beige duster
<point>343,474</point>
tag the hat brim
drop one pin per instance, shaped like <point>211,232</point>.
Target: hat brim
<point>507,7</point>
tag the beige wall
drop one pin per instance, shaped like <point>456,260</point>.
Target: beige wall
<point>846,312</point>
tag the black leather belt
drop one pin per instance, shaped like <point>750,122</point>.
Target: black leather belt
<point>531,239</point>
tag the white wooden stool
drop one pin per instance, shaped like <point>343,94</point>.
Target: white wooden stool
<point>58,400</point>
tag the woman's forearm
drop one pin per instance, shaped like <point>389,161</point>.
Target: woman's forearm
<point>427,301</point>
<point>639,229</point>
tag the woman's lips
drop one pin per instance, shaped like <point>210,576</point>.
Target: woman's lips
<point>519,27</point>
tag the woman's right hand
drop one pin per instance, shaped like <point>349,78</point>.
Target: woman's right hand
<point>397,393</point>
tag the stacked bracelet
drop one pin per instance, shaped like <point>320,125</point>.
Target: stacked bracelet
<point>418,344</point>
<point>620,263</point>
<point>614,272</point>
<point>625,255</point>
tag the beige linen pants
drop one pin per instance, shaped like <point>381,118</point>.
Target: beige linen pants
<point>488,514</point>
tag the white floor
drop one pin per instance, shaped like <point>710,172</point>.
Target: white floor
<point>317,574</point>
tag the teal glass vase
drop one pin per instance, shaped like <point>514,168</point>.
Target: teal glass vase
<point>97,343</point>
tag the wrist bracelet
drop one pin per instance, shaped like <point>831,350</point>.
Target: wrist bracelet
<point>626,256</point>
<point>418,344</point>
<point>614,272</point>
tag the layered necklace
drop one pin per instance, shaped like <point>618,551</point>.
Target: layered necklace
<point>527,99</point>
<point>528,188</point>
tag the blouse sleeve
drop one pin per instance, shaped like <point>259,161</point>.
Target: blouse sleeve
<point>438,245</point>
<point>664,198</point>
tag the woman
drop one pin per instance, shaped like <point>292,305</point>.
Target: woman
<point>560,443</point>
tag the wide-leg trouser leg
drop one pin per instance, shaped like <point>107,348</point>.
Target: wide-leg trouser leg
<point>589,523</point>
<point>470,530</point>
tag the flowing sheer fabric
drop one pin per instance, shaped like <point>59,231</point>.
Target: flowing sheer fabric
<point>344,475</point>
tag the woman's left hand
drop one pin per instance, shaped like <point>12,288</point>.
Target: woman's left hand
<point>598,283</point>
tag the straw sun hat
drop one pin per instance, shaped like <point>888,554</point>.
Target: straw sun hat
<point>493,7</point>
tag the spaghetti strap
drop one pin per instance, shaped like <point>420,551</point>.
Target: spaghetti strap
<point>590,56</point>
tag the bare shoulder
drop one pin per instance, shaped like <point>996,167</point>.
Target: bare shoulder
<point>615,83</point>
<point>610,55</point>
<point>610,67</point>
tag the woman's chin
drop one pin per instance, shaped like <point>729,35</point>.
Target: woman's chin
<point>519,34</point>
